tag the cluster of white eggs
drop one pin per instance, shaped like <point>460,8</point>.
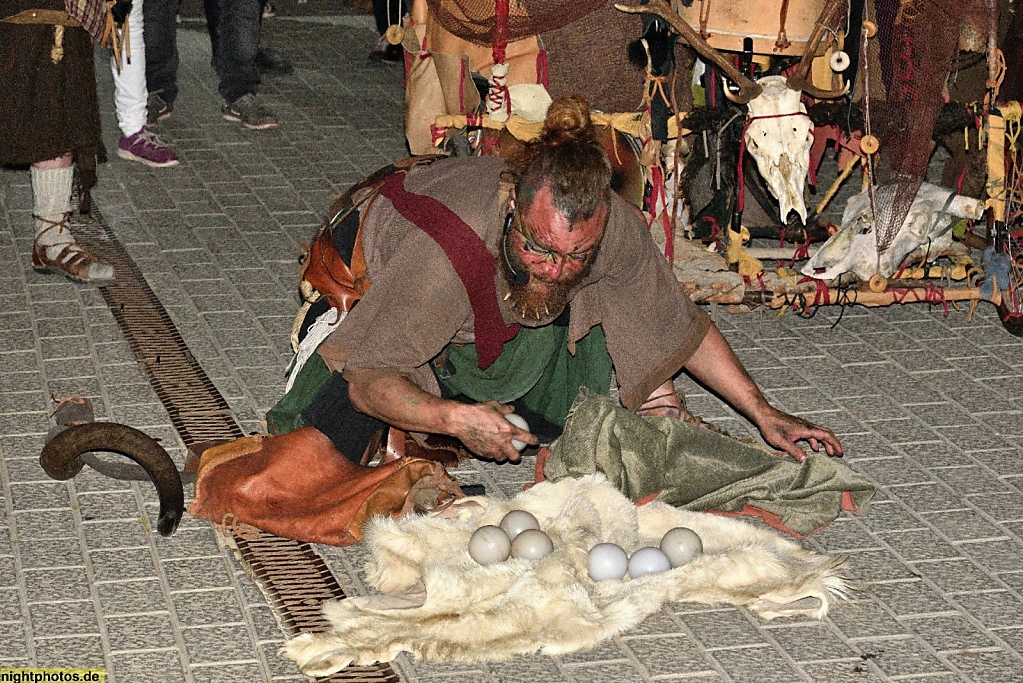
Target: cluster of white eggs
<point>518,535</point>
<point>679,546</point>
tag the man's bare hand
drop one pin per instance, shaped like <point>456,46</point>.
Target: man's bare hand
<point>484,430</point>
<point>391,397</point>
<point>782,431</point>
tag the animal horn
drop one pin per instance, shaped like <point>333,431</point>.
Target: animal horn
<point>799,80</point>
<point>62,459</point>
<point>747,88</point>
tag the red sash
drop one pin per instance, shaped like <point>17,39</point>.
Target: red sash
<point>469,257</point>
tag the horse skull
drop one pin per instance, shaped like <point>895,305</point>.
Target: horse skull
<point>778,136</point>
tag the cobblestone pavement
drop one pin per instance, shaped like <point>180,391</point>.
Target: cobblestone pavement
<point>928,406</point>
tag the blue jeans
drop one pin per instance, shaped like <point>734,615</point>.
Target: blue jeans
<point>235,52</point>
<point>160,34</point>
<point>234,27</point>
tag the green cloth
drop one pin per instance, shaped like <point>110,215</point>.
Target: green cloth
<point>534,366</point>
<point>283,417</point>
<point>697,469</point>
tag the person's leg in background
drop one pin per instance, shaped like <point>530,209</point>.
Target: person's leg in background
<point>387,13</point>
<point>55,249</point>
<point>160,34</point>
<point>270,61</point>
<point>137,143</point>
<point>237,42</point>
<point>211,8</point>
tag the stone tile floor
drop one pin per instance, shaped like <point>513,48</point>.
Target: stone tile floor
<point>929,406</point>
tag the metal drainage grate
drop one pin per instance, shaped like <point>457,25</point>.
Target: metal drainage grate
<point>293,577</point>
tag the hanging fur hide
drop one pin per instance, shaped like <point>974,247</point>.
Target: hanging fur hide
<point>440,605</point>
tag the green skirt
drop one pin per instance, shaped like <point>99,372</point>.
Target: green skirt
<point>535,367</point>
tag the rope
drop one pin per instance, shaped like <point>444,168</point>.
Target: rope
<point>57,52</point>
<point>61,226</point>
<point>61,401</point>
<point>868,177</point>
<point>542,74</point>
<point>118,39</point>
<point>501,8</point>
<point>658,194</point>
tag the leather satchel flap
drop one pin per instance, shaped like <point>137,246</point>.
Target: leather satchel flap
<point>299,486</point>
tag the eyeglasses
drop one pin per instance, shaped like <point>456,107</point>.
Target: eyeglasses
<point>551,255</point>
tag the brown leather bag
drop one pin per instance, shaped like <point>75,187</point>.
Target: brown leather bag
<point>298,485</point>
<point>324,271</point>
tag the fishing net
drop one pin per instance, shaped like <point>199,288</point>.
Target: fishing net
<point>911,56</point>
<point>584,43</point>
<point>473,20</point>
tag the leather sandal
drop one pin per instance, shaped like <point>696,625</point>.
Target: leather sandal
<point>71,261</point>
<point>661,401</point>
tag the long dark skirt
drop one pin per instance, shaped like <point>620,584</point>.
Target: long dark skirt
<point>47,109</point>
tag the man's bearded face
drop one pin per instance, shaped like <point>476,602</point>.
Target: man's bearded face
<point>555,256</point>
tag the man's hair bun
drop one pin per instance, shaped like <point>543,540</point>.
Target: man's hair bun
<point>568,120</point>
<point>567,158</point>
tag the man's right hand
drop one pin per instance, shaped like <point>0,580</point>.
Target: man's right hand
<point>391,397</point>
<point>485,431</point>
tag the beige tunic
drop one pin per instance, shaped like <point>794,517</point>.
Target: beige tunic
<point>417,305</point>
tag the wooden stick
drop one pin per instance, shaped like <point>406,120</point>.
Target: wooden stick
<point>833,190</point>
<point>776,253</point>
<point>892,296</point>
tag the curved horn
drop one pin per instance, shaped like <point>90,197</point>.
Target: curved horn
<point>798,80</point>
<point>747,88</point>
<point>61,459</point>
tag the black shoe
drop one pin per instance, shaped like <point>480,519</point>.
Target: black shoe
<point>270,62</point>
<point>157,109</point>
<point>390,53</point>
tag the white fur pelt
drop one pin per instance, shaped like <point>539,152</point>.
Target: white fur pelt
<point>440,605</point>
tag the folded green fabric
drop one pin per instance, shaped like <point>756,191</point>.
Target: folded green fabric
<point>697,469</point>
<point>283,418</point>
<point>535,366</point>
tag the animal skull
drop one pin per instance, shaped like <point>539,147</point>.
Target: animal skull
<point>778,137</point>
<point>853,249</point>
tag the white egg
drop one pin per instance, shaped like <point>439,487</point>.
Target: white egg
<point>608,562</point>
<point>681,545</point>
<point>489,544</point>
<point>517,521</point>
<point>521,423</point>
<point>648,560</point>
<point>532,544</point>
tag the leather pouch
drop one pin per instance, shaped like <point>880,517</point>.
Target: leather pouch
<point>299,486</point>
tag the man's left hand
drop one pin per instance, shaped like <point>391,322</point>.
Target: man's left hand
<point>782,431</point>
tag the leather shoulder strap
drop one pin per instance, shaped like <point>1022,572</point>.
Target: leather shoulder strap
<point>324,270</point>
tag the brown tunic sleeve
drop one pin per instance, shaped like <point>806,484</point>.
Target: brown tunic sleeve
<point>651,325</point>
